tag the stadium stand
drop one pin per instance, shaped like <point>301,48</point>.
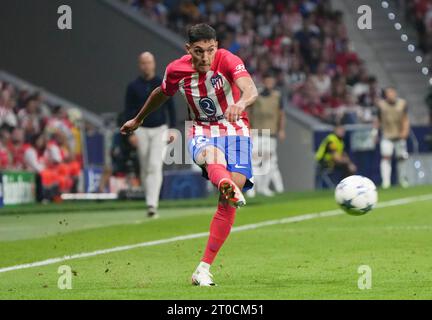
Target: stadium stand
<point>40,136</point>
<point>392,51</point>
<point>304,42</point>
<point>419,13</point>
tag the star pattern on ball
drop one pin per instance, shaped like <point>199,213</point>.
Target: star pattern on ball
<point>348,204</point>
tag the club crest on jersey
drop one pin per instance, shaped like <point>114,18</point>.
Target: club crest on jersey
<point>208,106</point>
<point>217,81</point>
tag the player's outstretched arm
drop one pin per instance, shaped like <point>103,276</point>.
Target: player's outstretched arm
<point>156,99</point>
<point>248,98</point>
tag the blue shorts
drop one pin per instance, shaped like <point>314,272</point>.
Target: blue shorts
<point>237,150</point>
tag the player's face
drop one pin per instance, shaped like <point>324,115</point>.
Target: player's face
<point>203,54</point>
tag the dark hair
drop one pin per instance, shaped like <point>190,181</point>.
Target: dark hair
<point>34,138</point>
<point>200,32</point>
<point>31,98</point>
<point>269,74</point>
<point>57,109</point>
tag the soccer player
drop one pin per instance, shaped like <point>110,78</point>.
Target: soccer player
<point>218,89</point>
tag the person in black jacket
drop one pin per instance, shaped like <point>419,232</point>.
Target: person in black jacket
<point>153,133</point>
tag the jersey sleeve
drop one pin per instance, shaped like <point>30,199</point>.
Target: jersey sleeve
<point>170,82</point>
<point>235,67</point>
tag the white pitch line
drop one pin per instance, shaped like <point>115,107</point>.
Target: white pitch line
<point>246,227</point>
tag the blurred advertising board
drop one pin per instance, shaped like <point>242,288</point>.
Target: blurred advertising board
<point>17,188</point>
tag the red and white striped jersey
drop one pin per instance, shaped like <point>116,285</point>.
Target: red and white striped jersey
<point>208,95</point>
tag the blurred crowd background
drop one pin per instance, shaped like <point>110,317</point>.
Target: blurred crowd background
<point>41,138</point>
<point>302,44</point>
<point>419,13</point>
<point>303,41</point>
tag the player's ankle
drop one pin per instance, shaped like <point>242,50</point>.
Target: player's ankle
<point>204,265</point>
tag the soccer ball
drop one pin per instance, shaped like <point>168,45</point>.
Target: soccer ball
<point>356,195</point>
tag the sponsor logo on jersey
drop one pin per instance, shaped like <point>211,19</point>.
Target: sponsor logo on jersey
<point>240,68</point>
<point>200,141</point>
<point>208,106</point>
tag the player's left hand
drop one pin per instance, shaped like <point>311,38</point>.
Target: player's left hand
<point>234,112</point>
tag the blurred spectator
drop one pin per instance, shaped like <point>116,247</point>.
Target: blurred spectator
<point>268,113</point>
<point>155,9</point>
<point>4,153</point>
<point>333,162</point>
<point>122,161</point>
<point>296,77</point>
<point>308,100</point>
<point>394,123</point>
<point>338,93</point>
<point>345,57</point>
<point>16,149</point>
<point>60,124</point>
<point>322,81</point>
<point>350,111</point>
<point>7,115</point>
<point>372,95</point>
<point>41,138</point>
<point>210,7</point>
<point>35,160</point>
<point>124,155</point>
<point>361,87</point>
<point>30,117</point>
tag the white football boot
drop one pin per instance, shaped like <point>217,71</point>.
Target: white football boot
<point>202,277</point>
<point>231,192</point>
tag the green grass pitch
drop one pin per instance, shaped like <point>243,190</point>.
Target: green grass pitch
<point>312,259</point>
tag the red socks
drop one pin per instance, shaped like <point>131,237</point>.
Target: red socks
<point>219,231</point>
<point>223,221</point>
<point>216,173</point>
